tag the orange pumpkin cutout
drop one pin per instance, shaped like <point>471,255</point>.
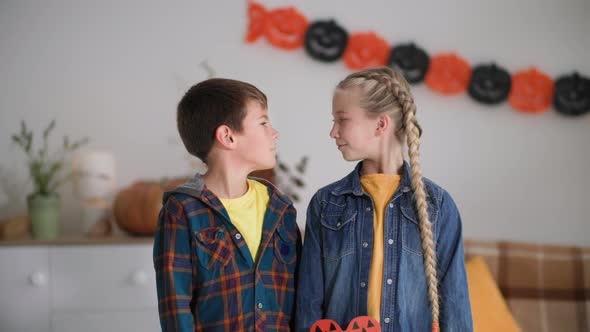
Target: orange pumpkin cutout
<point>363,324</point>
<point>358,324</point>
<point>325,325</point>
<point>449,74</point>
<point>285,28</point>
<point>256,21</point>
<point>137,207</point>
<point>366,50</point>
<point>532,91</point>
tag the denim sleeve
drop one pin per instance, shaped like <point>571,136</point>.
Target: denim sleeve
<point>293,216</point>
<point>455,314</point>
<point>310,289</point>
<point>172,262</point>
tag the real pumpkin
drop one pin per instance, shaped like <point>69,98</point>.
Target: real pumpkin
<point>137,207</point>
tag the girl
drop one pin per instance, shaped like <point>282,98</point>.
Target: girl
<point>383,241</point>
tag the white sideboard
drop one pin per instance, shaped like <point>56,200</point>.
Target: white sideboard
<point>78,285</point>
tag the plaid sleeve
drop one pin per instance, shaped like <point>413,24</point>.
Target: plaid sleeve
<point>172,262</point>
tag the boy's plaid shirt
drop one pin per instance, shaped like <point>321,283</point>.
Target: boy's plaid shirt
<point>205,275</point>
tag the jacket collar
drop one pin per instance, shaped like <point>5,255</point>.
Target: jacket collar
<point>195,187</point>
<point>351,184</point>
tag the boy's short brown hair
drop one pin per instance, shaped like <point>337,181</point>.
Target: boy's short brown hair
<point>210,104</point>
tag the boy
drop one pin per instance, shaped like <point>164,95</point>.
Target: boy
<point>227,246</point>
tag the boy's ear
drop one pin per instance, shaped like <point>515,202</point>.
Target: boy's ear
<point>383,124</point>
<point>225,136</point>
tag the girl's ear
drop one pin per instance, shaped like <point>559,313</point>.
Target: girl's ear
<point>225,136</point>
<point>383,124</point>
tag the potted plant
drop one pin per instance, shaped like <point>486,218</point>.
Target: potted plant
<point>45,171</point>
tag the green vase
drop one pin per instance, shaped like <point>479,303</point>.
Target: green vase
<point>44,213</point>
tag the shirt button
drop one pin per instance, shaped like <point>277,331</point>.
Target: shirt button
<point>363,284</point>
<point>368,208</point>
<point>238,236</point>
<point>386,320</point>
<point>259,305</point>
<point>390,241</point>
<point>389,281</point>
<point>391,205</point>
<point>365,244</point>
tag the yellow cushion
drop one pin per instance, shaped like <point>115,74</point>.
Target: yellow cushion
<point>490,312</point>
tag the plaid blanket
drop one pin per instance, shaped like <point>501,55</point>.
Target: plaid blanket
<point>546,287</point>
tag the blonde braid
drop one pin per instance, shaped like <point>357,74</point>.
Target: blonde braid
<point>390,91</point>
<point>413,139</point>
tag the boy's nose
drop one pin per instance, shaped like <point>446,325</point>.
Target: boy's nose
<point>333,132</point>
<point>275,134</point>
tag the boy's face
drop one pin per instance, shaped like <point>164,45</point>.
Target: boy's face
<point>353,130</point>
<point>256,144</point>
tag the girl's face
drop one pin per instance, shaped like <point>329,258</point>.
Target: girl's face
<point>353,130</point>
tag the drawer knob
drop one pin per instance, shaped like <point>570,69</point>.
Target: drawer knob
<point>38,279</point>
<point>139,278</point>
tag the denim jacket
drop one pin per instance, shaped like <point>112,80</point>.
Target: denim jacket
<point>336,259</point>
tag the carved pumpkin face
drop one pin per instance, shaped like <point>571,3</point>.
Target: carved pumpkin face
<point>285,28</point>
<point>449,74</point>
<point>325,325</point>
<point>572,95</point>
<point>489,84</point>
<point>532,91</point>
<point>366,50</point>
<point>358,324</point>
<point>363,324</point>
<point>326,41</point>
<point>412,61</point>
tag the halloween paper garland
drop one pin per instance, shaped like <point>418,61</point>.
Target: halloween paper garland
<point>449,74</point>
<point>489,84</point>
<point>572,94</point>
<point>326,41</point>
<point>365,50</point>
<point>529,91</point>
<point>532,91</point>
<point>411,60</point>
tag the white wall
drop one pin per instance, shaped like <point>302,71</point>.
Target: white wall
<point>114,71</point>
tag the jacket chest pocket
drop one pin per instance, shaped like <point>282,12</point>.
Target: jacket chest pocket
<point>411,239</point>
<point>337,234</point>
<point>285,247</point>
<point>213,248</point>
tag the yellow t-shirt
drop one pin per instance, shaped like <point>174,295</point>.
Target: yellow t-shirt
<point>247,213</point>
<point>380,187</point>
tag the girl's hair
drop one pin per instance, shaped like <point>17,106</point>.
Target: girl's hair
<point>384,90</point>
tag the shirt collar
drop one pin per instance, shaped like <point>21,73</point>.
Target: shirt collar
<point>351,184</point>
